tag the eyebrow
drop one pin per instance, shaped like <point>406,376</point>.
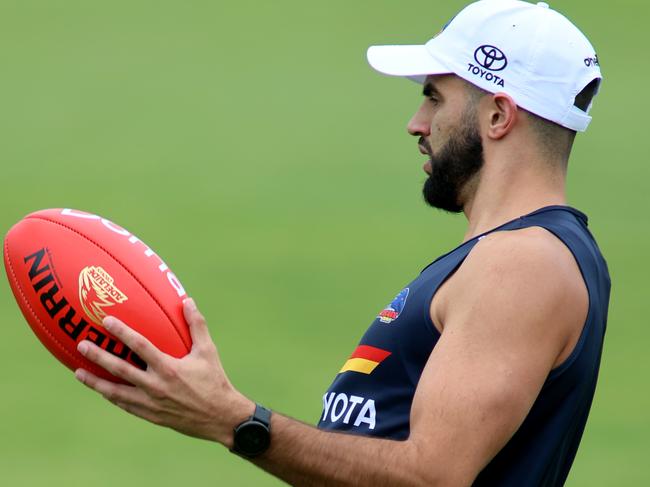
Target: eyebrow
<point>429,89</point>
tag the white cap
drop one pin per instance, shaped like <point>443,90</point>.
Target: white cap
<point>532,53</point>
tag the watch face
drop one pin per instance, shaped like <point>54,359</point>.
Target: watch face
<point>252,438</point>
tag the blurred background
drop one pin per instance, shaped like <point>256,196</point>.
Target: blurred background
<point>252,147</point>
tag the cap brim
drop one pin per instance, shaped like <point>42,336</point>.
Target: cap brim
<point>413,62</point>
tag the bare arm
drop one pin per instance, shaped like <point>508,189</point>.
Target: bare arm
<point>303,455</point>
<point>516,304</point>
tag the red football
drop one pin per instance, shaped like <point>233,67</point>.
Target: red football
<point>68,269</point>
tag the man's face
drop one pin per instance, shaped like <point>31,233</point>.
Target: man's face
<point>449,135</point>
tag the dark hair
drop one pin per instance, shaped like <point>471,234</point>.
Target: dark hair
<point>585,97</point>
<point>557,141</point>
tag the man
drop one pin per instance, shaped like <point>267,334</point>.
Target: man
<point>482,370</point>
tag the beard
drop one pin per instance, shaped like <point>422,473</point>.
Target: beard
<point>454,166</point>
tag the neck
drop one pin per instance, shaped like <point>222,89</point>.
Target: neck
<point>509,189</point>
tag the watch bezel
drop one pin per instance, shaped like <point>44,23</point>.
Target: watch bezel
<point>259,424</point>
<point>245,429</point>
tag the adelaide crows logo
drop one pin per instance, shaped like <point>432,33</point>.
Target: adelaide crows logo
<point>98,291</point>
<point>391,312</point>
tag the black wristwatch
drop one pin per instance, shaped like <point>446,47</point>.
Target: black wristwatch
<point>253,436</point>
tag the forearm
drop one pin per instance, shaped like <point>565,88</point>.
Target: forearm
<point>193,396</point>
<point>303,455</point>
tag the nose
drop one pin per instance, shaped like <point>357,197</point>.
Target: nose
<point>420,124</point>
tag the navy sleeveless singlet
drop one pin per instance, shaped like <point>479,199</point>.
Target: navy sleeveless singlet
<point>373,391</point>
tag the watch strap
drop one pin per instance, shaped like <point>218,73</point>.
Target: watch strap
<point>261,414</point>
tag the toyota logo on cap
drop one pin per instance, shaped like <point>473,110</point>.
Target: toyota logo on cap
<point>491,58</point>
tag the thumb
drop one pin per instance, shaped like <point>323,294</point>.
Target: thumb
<point>198,327</point>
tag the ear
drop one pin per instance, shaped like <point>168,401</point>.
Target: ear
<point>503,116</point>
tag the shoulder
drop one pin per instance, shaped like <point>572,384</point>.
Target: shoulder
<point>526,277</point>
<point>531,256</point>
<point>519,253</point>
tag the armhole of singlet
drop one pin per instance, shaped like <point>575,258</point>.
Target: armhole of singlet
<point>560,369</point>
<point>516,224</point>
<point>427,302</point>
<point>555,372</point>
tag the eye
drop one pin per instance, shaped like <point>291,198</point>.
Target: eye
<point>433,99</point>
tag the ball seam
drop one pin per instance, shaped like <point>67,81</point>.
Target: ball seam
<point>40,217</point>
<point>81,364</point>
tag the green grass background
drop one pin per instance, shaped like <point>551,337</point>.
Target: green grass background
<point>251,146</point>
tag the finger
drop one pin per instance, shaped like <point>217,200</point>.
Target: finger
<point>134,340</point>
<point>115,365</point>
<point>198,327</point>
<point>110,390</point>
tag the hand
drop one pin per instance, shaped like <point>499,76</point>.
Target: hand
<point>191,395</point>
